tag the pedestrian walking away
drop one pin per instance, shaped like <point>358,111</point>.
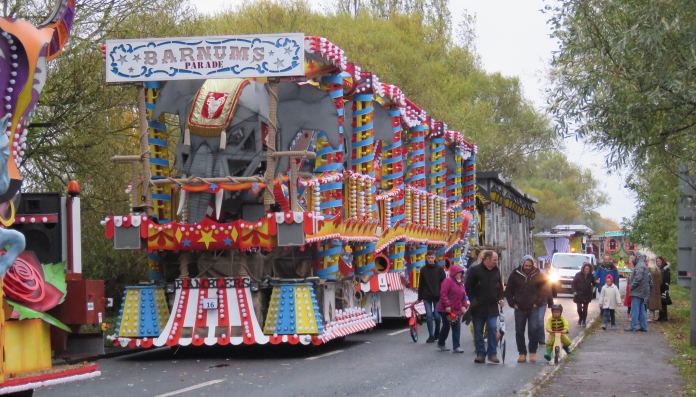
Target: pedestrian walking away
<point>451,307</point>
<point>548,299</point>
<point>641,283</point>
<point>557,323</point>
<point>609,301</point>
<point>655,298</point>
<point>524,293</point>
<point>664,287</point>
<point>431,276</point>
<point>582,285</point>
<point>485,286</point>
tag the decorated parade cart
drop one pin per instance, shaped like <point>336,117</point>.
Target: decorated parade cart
<point>44,302</point>
<point>299,201</point>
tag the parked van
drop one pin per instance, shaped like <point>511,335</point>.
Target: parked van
<point>563,268</point>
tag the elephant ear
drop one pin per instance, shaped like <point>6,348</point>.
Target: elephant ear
<point>450,153</point>
<point>303,106</point>
<point>382,123</point>
<point>174,96</point>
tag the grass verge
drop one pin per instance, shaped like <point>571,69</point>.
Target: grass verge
<point>677,331</point>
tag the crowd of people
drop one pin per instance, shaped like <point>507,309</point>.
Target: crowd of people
<point>477,295</point>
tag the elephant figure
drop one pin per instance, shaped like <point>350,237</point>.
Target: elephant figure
<point>24,52</point>
<point>239,150</point>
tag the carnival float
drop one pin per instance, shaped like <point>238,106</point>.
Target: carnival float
<point>299,201</point>
<point>45,301</point>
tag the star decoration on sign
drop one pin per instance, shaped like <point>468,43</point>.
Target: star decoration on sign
<point>122,59</point>
<point>288,50</point>
<point>207,238</point>
<point>279,63</point>
<point>270,53</point>
<point>136,57</point>
<point>130,70</point>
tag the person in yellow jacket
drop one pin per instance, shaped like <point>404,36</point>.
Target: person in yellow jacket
<point>557,323</point>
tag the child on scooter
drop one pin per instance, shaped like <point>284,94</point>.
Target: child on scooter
<point>609,301</point>
<point>554,324</point>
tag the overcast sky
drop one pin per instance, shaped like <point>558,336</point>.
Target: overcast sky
<point>513,38</point>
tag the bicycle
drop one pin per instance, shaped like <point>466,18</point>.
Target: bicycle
<point>413,322</point>
<point>557,345</point>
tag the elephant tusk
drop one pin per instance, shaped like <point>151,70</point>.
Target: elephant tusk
<point>182,200</point>
<point>187,137</point>
<point>223,140</point>
<point>218,202</point>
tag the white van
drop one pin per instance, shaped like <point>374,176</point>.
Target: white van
<point>563,268</point>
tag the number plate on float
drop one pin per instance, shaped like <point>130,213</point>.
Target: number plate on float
<point>210,303</point>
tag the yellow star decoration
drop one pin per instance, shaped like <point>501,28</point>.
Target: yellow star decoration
<point>207,238</point>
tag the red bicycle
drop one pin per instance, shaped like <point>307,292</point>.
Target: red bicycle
<point>413,321</point>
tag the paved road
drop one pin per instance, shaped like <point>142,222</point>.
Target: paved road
<point>384,362</point>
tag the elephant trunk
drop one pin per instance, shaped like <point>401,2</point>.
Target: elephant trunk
<point>60,21</point>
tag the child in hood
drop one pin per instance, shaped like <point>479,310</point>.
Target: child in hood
<point>452,304</point>
<point>609,301</point>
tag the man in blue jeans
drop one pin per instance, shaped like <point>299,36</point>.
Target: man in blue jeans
<point>431,276</point>
<point>484,285</point>
<point>641,283</point>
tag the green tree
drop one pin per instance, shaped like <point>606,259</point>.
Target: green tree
<point>623,80</point>
<point>551,170</point>
<point>654,224</point>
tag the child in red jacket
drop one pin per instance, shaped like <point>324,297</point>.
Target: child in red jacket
<point>628,299</point>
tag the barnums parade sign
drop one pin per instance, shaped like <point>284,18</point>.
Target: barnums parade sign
<point>223,57</point>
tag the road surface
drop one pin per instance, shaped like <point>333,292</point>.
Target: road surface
<point>384,362</point>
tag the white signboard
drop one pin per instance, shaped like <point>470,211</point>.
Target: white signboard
<point>223,57</point>
<point>210,303</point>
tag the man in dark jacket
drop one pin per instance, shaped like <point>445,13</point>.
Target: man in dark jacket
<point>524,292</point>
<point>605,268</point>
<point>664,287</point>
<point>431,276</point>
<point>484,285</point>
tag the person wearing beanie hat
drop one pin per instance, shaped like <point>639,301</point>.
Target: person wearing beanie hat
<point>609,301</point>
<point>525,293</point>
<point>603,270</point>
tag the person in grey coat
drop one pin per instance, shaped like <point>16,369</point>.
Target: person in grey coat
<point>641,283</point>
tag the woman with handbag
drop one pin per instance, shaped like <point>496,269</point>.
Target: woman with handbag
<point>655,300</point>
<point>664,287</point>
<point>582,285</point>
